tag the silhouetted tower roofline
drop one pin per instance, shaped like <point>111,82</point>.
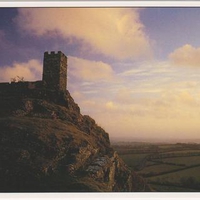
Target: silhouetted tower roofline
<point>55,71</point>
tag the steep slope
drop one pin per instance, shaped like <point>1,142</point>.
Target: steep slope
<point>47,145</point>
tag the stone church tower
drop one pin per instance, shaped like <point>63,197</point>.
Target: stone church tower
<point>55,71</point>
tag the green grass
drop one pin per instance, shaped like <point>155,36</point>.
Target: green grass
<point>133,160</point>
<point>168,146</point>
<point>177,171</point>
<point>187,151</point>
<point>187,161</point>
<point>150,163</point>
<point>157,169</point>
<point>187,177</point>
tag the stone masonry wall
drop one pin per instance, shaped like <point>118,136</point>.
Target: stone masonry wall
<point>55,71</point>
<point>54,77</point>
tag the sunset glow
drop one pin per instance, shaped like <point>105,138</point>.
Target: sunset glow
<point>136,71</point>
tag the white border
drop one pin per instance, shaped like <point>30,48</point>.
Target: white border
<point>104,196</point>
<point>100,3</point>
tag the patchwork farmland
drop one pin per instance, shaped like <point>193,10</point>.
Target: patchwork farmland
<point>165,167</point>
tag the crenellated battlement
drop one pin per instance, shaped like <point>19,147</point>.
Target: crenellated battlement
<point>54,76</point>
<point>52,53</point>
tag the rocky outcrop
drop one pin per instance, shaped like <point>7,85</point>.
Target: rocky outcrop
<point>47,145</point>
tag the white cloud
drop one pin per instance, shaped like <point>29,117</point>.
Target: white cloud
<point>163,103</point>
<point>31,71</point>
<point>186,55</point>
<point>89,71</point>
<point>170,115</point>
<point>115,32</point>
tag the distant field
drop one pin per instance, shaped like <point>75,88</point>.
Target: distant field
<point>187,151</point>
<point>176,176</point>
<point>182,152</point>
<point>150,163</point>
<point>133,160</point>
<point>168,146</point>
<point>157,169</point>
<point>166,167</point>
<point>189,178</point>
<point>186,161</point>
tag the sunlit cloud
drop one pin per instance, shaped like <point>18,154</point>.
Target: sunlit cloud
<point>186,56</point>
<point>162,103</point>
<point>114,32</point>
<point>31,71</point>
<point>168,116</point>
<point>89,71</point>
<point>118,85</point>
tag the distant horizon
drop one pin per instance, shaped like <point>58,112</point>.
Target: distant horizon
<point>152,140</point>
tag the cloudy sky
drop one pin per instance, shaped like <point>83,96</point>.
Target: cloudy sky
<point>136,71</point>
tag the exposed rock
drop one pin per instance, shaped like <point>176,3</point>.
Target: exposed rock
<point>47,145</point>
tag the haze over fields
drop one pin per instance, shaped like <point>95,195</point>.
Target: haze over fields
<point>135,71</point>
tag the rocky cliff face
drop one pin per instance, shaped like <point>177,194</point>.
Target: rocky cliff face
<point>47,145</point>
